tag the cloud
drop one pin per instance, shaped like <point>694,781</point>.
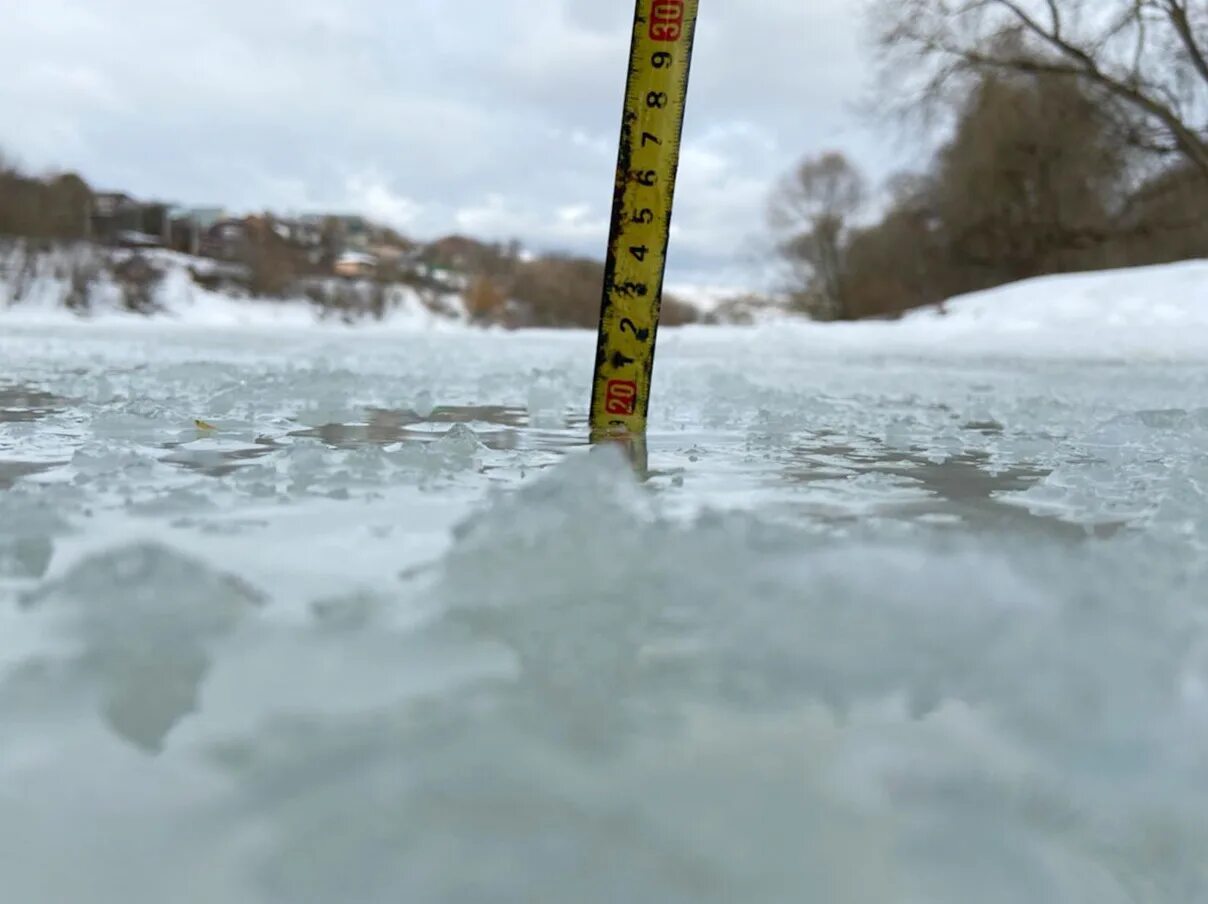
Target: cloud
<point>499,119</point>
<point>372,194</point>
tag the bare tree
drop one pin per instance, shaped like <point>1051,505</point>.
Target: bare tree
<point>50,208</point>
<point>1027,184</point>
<point>485,299</point>
<point>1146,59</point>
<point>1024,187</point>
<point>812,208</point>
<point>272,263</point>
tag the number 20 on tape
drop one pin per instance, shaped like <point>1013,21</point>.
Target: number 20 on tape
<point>622,397</point>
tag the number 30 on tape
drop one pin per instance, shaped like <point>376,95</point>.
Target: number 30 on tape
<point>667,20</point>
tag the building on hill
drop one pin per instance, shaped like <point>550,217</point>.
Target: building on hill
<point>302,232</point>
<point>157,221</point>
<point>131,238</point>
<point>445,279</point>
<point>111,207</point>
<point>356,265</point>
<point>226,240</point>
<point>353,232</point>
<point>466,256</point>
<point>118,219</point>
<point>188,226</point>
<point>205,217</point>
<point>454,252</point>
<point>395,252</point>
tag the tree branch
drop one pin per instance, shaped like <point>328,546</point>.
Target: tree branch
<point>1177,13</point>
<point>1080,64</point>
<point>1055,15</point>
<point>1054,40</point>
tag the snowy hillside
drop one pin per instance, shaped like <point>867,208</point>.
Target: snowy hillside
<point>1146,297</point>
<point>96,284</point>
<point>1157,311</point>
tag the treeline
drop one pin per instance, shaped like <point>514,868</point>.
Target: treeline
<point>552,291</point>
<point>57,208</point>
<point>1078,142</point>
<point>498,283</point>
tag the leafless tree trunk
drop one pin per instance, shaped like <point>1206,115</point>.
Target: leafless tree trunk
<point>812,208</point>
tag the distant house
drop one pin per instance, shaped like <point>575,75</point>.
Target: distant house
<point>356,265</point>
<point>453,251</point>
<point>129,238</point>
<point>114,213</point>
<point>357,232</point>
<point>226,240</point>
<point>157,221</point>
<point>118,219</point>
<point>449,280</point>
<point>338,232</point>
<point>188,225</point>
<point>460,254</point>
<point>393,253</point>
<point>205,217</point>
<point>304,232</point>
<point>108,204</point>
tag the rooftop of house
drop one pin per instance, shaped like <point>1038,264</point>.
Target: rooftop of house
<point>202,216</point>
<point>356,258</point>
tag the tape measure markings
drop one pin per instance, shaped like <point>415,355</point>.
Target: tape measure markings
<point>647,166</point>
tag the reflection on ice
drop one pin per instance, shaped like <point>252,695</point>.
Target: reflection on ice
<point>143,620</point>
<point>22,405</point>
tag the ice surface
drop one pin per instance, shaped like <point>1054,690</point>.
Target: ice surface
<point>144,619</point>
<point>878,616</point>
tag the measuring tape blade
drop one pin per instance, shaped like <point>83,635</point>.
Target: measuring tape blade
<point>660,60</point>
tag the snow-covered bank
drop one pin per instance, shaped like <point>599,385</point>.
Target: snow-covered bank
<point>180,302</point>
<point>86,284</point>
<point>1145,298</point>
<point>1152,313</point>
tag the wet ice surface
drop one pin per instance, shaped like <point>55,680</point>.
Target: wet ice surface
<point>381,628</point>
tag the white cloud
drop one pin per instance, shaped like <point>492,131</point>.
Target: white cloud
<point>489,218</point>
<point>579,226</point>
<point>371,193</point>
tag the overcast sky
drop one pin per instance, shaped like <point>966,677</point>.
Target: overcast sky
<point>497,119</point>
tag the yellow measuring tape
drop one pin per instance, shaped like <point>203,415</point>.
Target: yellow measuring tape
<point>655,96</point>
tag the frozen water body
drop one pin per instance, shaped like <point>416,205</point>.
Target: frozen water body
<point>875,618</point>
